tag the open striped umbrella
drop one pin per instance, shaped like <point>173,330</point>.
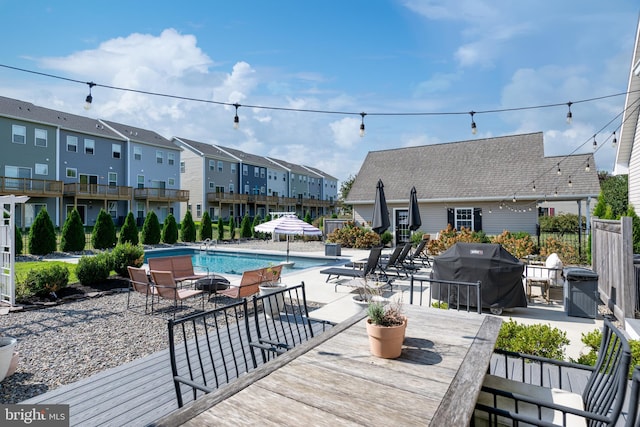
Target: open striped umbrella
<point>289,225</point>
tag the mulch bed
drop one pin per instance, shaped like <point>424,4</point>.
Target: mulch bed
<point>75,291</point>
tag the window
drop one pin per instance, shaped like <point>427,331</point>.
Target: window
<point>256,172</point>
<point>71,173</point>
<point>112,208</point>
<point>159,157</point>
<point>182,167</point>
<point>113,179</point>
<point>42,169</point>
<point>262,189</point>
<point>171,159</point>
<point>231,188</point>
<point>72,143</point>
<point>140,181</point>
<point>41,138</point>
<point>115,151</point>
<point>31,210</point>
<point>233,168</point>
<point>139,210</point>
<point>263,172</point>
<point>89,146</point>
<point>19,134</point>
<point>464,218</point>
<point>212,185</point>
<point>220,167</point>
<point>137,153</point>
<point>212,165</point>
<point>172,181</point>
<point>245,170</point>
<point>198,210</point>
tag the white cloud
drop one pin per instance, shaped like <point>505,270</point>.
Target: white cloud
<point>345,132</point>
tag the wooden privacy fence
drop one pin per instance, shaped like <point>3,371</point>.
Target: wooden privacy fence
<point>612,259</point>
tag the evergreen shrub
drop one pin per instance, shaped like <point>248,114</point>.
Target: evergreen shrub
<point>94,269</point>
<point>206,229</point>
<point>151,229</point>
<point>103,235</point>
<point>73,238</point>
<point>188,228</point>
<point>124,255</point>
<point>42,236</point>
<point>170,230</point>
<point>129,230</point>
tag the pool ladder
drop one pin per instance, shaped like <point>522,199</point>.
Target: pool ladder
<point>207,243</point>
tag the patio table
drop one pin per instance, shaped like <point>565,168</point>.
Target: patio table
<point>333,379</point>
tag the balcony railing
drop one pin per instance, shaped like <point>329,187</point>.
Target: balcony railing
<point>161,195</point>
<point>30,187</point>
<point>97,191</point>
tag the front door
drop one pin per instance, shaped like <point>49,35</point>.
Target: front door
<point>403,234</point>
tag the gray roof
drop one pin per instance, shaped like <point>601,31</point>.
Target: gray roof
<point>143,136</point>
<point>247,158</point>
<point>492,169</point>
<point>321,173</point>
<point>29,112</point>
<point>294,168</point>
<point>208,150</point>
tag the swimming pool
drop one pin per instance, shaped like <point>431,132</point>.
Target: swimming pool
<point>224,262</point>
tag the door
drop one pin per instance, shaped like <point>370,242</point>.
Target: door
<point>17,172</point>
<point>88,183</point>
<point>403,234</point>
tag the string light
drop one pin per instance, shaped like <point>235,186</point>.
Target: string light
<point>614,142</point>
<point>570,183</point>
<point>514,198</point>
<point>569,115</point>
<point>556,192</point>
<point>559,172</point>
<point>89,98</point>
<point>474,128</point>
<point>595,143</point>
<point>534,186</point>
<point>587,168</point>
<point>362,124</point>
<point>236,119</point>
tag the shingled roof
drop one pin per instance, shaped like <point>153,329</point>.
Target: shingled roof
<point>492,169</point>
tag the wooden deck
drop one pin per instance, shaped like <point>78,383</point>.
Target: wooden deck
<point>133,394</point>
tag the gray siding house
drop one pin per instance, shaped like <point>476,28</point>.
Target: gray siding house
<point>492,184</point>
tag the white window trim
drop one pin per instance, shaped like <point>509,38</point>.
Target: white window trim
<point>18,130</point>
<point>74,173</point>
<point>36,138</point>
<point>41,169</point>
<point>455,217</point>
<point>90,143</point>
<point>116,148</point>
<point>71,143</point>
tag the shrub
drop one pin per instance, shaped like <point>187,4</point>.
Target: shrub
<point>256,221</point>
<point>18,240</point>
<point>124,255</point>
<point>206,230</point>
<point>567,252</point>
<point>307,218</point>
<point>517,244</point>
<point>170,230</point>
<point>352,236</point>
<point>220,229</point>
<point>129,230</point>
<point>538,339</point>
<point>450,236</point>
<point>73,239</point>
<point>386,237</point>
<point>245,227</point>
<point>188,228</point>
<point>592,341</point>
<point>42,236</point>
<point>103,235</point>
<point>151,229</point>
<point>94,269</point>
<point>47,280</point>
<point>416,237</point>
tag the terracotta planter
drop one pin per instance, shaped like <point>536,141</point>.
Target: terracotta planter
<point>386,341</point>
<point>272,305</point>
<point>7,345</point>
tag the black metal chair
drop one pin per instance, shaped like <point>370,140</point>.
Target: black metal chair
<point>209,349</point>
<point>633,414</point>
<point>281,321</point>
<point>540,397</point>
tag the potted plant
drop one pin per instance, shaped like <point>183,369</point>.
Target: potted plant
<point>367,293</point>
<point>269,284</point>
<point>7,345</point>
<point>386,326</point>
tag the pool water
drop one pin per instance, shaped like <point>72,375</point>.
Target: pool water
<point>238,262</point>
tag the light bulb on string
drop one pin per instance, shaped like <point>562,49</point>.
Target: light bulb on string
<point>569,115</point>
<point>570,183</point>
<point>614,142</point>
<point>595,143</point>
<point>236,119</point>
<point>587,168</point>
<point>559,172</point>
<point>89,98</point>
<point>474,128</point>
<point>362,124</point>
<point>534,186</point>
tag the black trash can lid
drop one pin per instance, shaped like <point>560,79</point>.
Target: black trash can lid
<point>579,273</point>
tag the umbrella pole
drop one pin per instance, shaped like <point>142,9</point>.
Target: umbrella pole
<point>287,248</point>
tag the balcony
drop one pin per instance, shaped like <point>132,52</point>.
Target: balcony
<point>97,191</point>
<point>161,195</point>
<point>227,198</point>
<point>30,187</point>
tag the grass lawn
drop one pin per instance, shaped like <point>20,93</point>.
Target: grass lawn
<point>22,268</point>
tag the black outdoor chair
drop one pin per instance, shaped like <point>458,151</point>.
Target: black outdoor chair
<point>419,255</point>
<point>370,268</point>
<point>531,400</point>
<point>281,321</point>
<point>209,349</point>
<point>397,263</point>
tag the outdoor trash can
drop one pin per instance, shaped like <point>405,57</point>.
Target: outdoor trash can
<point>581,297</point>
<point>332,249</point>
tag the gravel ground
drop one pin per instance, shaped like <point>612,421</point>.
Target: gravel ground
<point>65,343</point>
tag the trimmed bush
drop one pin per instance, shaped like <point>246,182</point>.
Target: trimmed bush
<point>307,218</point>
<point>220,229</point>
<point>18,240</point>
<point>73,239</point>
<point>124,255</point>
<point>42,236</point>
<point>386,237</point>
<point>256,221</point>
<point>517,244</point>
<point>593,339</point>
<point>538,339</point>
<point>245,227</point>
<point>47,280</point>
<point>103,235</point>
<point>206,229</point>
<point>129,230</point>
<point>151,229</point>
<point>94,269</point>
<point>170,230</point>
<point>352,236</point>
<point>188,228</point>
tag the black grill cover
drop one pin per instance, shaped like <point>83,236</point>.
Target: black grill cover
<point>498,270</point>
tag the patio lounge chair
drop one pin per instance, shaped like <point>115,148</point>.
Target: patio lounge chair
<point>139,282</point>
<point>419,254</point>
<point>396,263</point>
<point>369,268</point>
<point>181,266</point>
<point>166,286</point>
<point>531,399</point>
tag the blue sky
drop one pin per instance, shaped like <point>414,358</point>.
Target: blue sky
<point>352,56</point>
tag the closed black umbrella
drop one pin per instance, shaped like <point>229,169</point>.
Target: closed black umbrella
<point>414,211</point>
<point>380,221</point>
